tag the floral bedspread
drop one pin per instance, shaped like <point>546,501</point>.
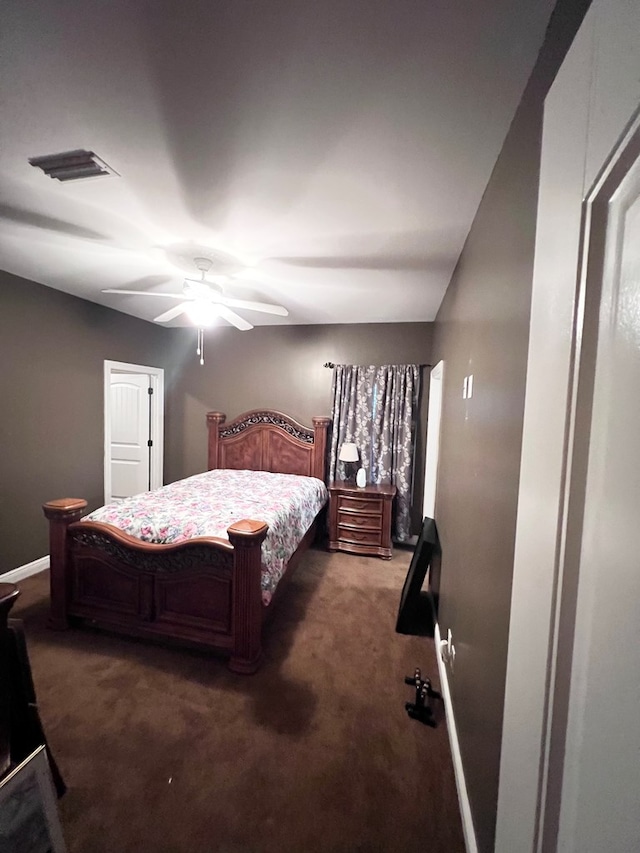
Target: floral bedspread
<point>207,504</point>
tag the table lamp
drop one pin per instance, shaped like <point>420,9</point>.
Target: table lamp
<point>349,455</point>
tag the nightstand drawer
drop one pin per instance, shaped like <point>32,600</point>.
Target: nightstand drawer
<point>357,519</point>
<point>362,537</point>
<point>361,504</point>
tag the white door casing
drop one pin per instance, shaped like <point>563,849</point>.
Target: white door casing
<point>549,363</point>
<point>562,629</point>
<point>133,417</point>
<point>433,440</point>
<point>599,805</point>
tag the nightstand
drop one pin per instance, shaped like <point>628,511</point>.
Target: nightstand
<point>360,519</point>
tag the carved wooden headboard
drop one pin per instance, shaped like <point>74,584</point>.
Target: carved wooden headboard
<point>263,440</point>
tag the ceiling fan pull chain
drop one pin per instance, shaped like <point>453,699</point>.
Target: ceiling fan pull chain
<point>200,349</point>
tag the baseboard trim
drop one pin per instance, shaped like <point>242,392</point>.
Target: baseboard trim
<point>458,768</point>
<point>25,571</point>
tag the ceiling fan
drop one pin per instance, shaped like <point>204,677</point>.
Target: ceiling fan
<point>203,301</point>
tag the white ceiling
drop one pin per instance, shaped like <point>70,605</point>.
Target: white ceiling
<point>340,146</point>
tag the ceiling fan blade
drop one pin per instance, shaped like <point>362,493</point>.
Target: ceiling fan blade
<point>265,307</point>
<point>172,313</point>
<point>233,318</point>
<point>145,293</point>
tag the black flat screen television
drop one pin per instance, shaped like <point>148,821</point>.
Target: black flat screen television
<point>415,614</point>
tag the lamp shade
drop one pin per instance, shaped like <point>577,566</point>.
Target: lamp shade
<point>348,452</point>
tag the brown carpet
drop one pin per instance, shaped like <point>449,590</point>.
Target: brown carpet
<point>164,750</point>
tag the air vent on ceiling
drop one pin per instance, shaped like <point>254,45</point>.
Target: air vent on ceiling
<point>72,165</point>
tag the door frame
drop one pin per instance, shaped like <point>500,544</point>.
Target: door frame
<point>156,461</point>
<point>432,453</point>
<point>573,629</point>
<point>585,125</point>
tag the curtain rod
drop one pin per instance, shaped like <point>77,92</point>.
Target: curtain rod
<point>332,365</point>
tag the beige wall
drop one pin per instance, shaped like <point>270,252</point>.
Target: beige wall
<point>52,349</point>
<point>482,328</point>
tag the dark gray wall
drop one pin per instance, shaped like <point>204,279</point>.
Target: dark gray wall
<point>282,368</point>
<point>482,328</point>
<point>52,349</point>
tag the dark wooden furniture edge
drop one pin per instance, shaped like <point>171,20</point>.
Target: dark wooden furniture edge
<point>21,729</point>
<point>8,594</point>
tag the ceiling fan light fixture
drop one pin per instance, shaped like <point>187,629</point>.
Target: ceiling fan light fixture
<point>199,289</point>
<point>202,313</point>
<point>205,302</point>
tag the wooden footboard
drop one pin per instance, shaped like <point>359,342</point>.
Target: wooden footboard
<point>204,591</point>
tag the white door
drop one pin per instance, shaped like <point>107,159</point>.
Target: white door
<point>130,404</point>
<point>433,440</point>
<point>133,429</point>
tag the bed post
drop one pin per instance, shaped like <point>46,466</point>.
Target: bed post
<point>247,537</point>
<point>320,428</point>
<point>61,513</point>
<point>214,422</point>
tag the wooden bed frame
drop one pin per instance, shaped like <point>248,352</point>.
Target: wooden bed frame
<point>204,591</point>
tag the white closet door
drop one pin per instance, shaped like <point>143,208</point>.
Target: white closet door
<point>129,434</point>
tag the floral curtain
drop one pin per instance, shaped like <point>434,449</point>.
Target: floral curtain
<point>352,395</point>
<point>375,408</point>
